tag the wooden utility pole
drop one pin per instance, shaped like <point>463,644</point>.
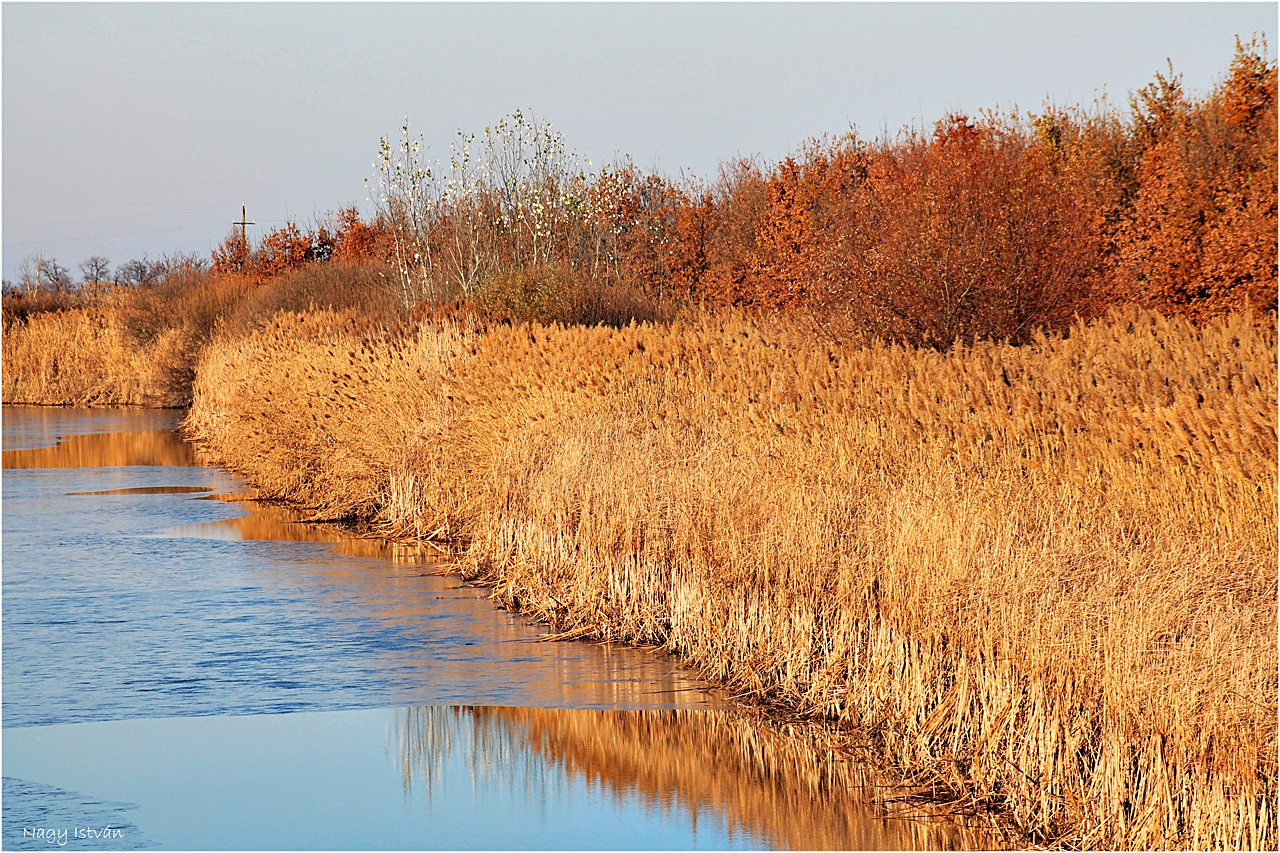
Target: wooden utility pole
<point>243,223</point>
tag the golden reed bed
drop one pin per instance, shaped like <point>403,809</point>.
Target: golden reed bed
<point>88,357</point>
<point>1042,577</point>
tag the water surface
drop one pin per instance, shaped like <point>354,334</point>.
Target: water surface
<point>441,778</point>
<point>129,593</point>
<point>186,670</point>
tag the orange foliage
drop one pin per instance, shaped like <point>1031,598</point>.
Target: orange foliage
<point>641,211</point>
<point>740,200</point>
<point>284,249</point>
<point>687,245</point>
<point>1200,239</point>
<point>1004,226</point>
<point>971,232</point>
<point>968,234</point>
<point>800,238</point>
<point>356,240</point>
<point>233,256</point>
<point>288,248</point>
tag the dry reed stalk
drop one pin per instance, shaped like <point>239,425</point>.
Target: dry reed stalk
<point>1042,576</point>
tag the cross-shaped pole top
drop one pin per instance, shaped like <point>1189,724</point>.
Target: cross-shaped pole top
<point>244,221</point>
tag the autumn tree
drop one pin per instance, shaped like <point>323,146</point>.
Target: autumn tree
<point>1200,238</point>
<point>970,233</point>
<point>232,256</point>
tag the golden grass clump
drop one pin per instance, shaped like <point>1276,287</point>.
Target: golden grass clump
<point>119,345</point>
<point>1042,577</point>
<point>355,400</point>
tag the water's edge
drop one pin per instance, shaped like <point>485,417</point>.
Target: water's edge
<point>287,627</point>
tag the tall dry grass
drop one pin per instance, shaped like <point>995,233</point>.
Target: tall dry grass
<point>88,357</point>
<point>1041,577</point>
<point>126,346</point>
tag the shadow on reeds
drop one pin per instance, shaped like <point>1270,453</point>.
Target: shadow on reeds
<point>772,788</point>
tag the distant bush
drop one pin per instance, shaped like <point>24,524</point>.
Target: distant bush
<point>339,285</point>
<point>1199,234</point>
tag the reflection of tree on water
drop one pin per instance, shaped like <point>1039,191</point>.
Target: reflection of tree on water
<point>769,786</point>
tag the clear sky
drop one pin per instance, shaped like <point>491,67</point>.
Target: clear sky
<point>142,128</point>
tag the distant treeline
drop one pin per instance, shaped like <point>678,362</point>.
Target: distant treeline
<point>991,226</point>
<point>986,227</point>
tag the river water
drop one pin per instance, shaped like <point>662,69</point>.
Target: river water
<point>183,669</point>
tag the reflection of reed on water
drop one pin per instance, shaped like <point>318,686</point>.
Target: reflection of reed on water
<point>27,427</point>
<point>266,522</point>
<point>784,788</point>
<point>158,447</point>
<point>432,737</point>
<point>148,490</point>
<point>471,642</point>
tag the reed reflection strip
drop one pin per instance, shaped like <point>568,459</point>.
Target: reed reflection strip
<point>274,523</point>
<point>100,450</point>
<point>146,490</point>
<point>783,789</point>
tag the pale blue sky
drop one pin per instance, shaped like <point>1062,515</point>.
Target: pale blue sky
<point>142,128</point>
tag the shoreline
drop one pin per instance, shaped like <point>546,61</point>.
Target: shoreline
<point>675,486</point>
<point>939,818</point>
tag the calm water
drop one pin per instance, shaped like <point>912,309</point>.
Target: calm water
<point>187,671</point>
